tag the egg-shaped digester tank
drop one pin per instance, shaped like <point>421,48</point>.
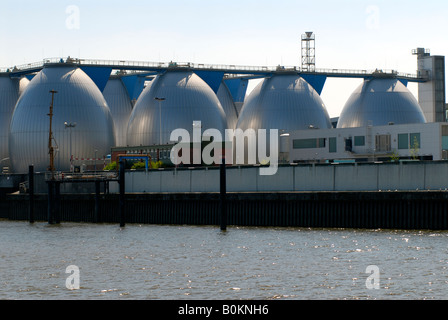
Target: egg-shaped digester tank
<point>227,103</point>
<point>174,100</point>
<point>78,102</point>
<point>10,91</point>
<point>284,102</point>
<point>380,101</point>
<point>120,106</point>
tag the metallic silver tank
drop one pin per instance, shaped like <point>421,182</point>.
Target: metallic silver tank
<point>78,100</point>
<point>10,91</point>
<point>228,105</point>
<point>284,102</point>
<point>173,100</point>
<point>120,106</point>
<point>380,102</point>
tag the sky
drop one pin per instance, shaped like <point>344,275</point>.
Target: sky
<point>350,34</point>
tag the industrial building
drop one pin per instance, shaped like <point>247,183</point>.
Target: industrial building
<point>431,93</point>
<point>124,106</point>
<point>383,121</point>
<point>415,141</point>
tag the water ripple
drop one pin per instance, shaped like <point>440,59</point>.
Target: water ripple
<point>188,262</point>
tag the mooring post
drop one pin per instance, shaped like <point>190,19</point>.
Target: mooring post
<point>223,190</point>
<point>31,192</point>
<point>50,201</point>
<point>97,200</point>
<point>57,206</point>
<point>122,194</point>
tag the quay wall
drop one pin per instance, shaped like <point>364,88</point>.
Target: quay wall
<point>371,210</point>
<point>400,176</point>
<point>404,195</point>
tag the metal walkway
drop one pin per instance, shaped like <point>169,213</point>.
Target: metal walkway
<point>142,67</point>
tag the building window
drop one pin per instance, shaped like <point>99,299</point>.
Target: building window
<point>308,143</point>
<point>444,143</point>
<point>360,141</point>
<point>403,141</point>
<point>321,142</point>
<point>382,143</point>
<point>332,145</point>
<point>414,140</point>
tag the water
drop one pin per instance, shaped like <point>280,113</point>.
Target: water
<point>186,262</point>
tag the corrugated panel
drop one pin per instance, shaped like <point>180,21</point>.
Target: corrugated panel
<point>120,107</point>
<point>187,98</point>
<point>380,101</point>
<point>78,101</point>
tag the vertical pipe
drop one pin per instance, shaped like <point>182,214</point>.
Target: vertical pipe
<point>31,193</point>
<point>223,188</point>
<point>122,194</point>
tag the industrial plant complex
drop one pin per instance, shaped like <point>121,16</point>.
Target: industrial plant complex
<point>93,140</point>
<point>103,109</point>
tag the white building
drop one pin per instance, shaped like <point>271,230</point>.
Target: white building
<point>424,141</point>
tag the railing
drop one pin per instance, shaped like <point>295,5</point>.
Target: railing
<point>230,69</point>
<point>74,176</point>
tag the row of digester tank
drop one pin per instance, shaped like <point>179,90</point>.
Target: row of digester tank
<point>174,99</point>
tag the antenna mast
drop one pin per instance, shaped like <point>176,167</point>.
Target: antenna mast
<point>50,136</point>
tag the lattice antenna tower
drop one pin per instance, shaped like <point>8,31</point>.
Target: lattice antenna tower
<point>308,51</point>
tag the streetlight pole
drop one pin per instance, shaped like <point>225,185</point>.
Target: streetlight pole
<point>70,126</point>
<point>160,117</point>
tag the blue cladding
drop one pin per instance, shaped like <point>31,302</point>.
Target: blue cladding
<point>405,82</point>
<point>30,76</point>
<point>99,75</point>
<point>316,81</point>
<point>237,88</point>
<point>134,85</point>
<point>212,78</point>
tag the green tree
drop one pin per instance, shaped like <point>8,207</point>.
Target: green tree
<point>415,149</point>
<point>111,166</point>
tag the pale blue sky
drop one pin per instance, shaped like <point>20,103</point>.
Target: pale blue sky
<point>352,34</point>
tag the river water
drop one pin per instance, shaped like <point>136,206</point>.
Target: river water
<point>201,263</point>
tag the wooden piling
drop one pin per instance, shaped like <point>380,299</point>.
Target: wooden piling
<point>223,191</point>
<point>97,201</point>
<point>122,194</point>
<point>57,204</point>
<point>50,209</point>
<point>31,193</point>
